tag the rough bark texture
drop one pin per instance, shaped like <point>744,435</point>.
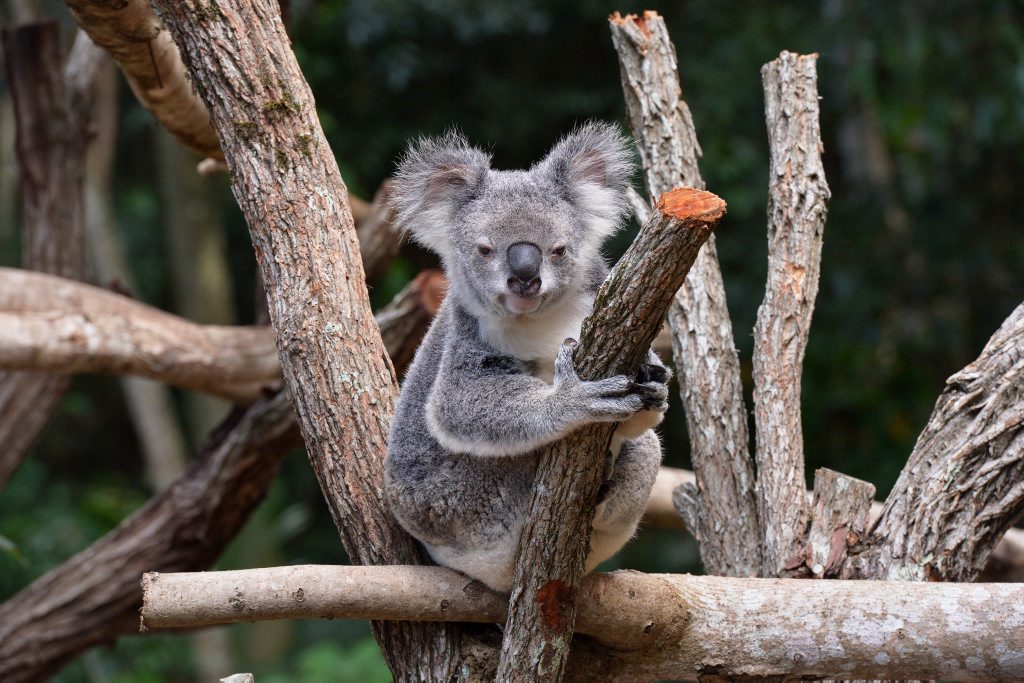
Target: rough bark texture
<point>48,322</point>
<point>51,112</point>
<point>963,485</point>
<point>94,596</point>
<point>335,367</point>
<point>797,198</point>
<point>657,625</point>
<point>704,350</point>
<point>555,539</point>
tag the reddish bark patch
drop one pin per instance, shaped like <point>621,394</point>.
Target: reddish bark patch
<point>554,603</point>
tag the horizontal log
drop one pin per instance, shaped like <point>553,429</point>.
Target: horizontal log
<point>657,626</point>
<point>49,323</point>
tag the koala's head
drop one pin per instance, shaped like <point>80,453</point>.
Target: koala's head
<point>514,242</point>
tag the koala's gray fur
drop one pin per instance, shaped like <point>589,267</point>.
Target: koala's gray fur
<point>493,381</point>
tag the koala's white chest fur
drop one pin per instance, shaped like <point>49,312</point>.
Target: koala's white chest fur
<point>537,338</point>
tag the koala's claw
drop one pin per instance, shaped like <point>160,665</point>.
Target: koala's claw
<point>650,372</point>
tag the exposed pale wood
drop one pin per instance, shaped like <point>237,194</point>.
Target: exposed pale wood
<point>660,510</point>
<point>1006,563</point>
<point>239,59</point>
<point>51,113</point>
<point>841,515</point>
<point>555,538</point>
<point>57,323</point>
<point>702,338</point>
<point>659,625</point>
<point>963,485</point>
<point>797,199</point>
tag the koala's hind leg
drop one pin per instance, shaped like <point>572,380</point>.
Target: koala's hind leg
<point>626,496</point>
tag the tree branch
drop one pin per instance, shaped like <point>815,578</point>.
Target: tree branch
<point>132,34</point>
<point>50,323</point>
<point>702,338</point>
<point>656,626</point>
<point>555,537</point>
<point>335,367</point>
<point>796,220</point>
<point>961,488</point>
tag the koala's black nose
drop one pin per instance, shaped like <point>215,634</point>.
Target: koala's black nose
<point>524,259</point>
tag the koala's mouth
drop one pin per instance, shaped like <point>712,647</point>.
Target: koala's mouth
<point>521,305</point>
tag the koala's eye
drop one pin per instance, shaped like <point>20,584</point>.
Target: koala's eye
<point>559,250</point>
<point>484,249</point>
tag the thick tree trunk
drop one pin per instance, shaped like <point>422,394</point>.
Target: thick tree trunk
<point>334,363</point>
<point>723,507</point>
<point>653,626</point>
<point>51,111</point>
<point>555,540</point>
<point>797,197</point>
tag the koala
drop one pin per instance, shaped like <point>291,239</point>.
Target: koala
<point>493,380</point>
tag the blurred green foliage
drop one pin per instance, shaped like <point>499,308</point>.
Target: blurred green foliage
<point>923,127</point>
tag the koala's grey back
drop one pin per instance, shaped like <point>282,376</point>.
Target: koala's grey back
<point>441,497</point>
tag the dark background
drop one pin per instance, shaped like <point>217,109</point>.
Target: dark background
<point>923,127</point>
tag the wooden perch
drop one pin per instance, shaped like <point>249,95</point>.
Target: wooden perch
<point>724,508</point>
<point>95,596</point>
<point>656,626</point>
<point>341,380</point>
<point>50,323</point>
<point>797,199</point>
<point>51,109</point>
<point>554,543</point>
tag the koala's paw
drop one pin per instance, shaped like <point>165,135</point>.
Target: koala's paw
<point>613,399</point>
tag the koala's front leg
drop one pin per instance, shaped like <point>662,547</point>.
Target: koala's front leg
<point>490,407</point>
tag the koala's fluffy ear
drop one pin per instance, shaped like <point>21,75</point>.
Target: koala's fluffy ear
<point>591,167</point>
<point>435,177</point>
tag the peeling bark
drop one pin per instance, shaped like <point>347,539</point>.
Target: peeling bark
<point>797,198</point>
<point>652,626</point>
<point>555,538</point>
<point>725,512</point>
